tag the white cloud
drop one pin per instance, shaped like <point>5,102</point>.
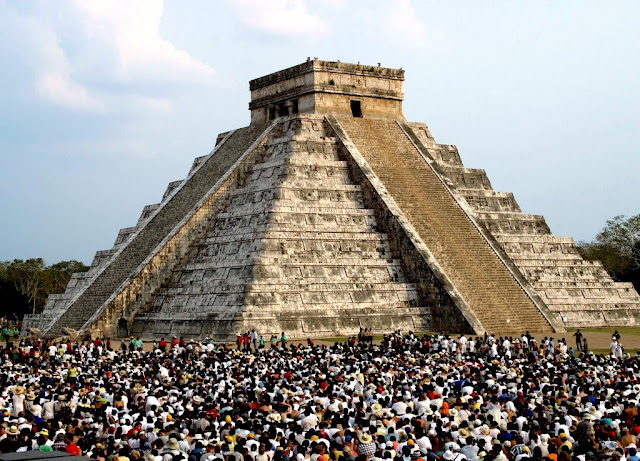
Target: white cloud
<point>131,31</point>
<point>60,89</point>
<point>402,22</point>
<point>157,105</point>
<point>98,55</point>
<point>288,18</point>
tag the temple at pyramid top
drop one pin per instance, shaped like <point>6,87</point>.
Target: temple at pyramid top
<point>331,213</point>
<point>328,87</point>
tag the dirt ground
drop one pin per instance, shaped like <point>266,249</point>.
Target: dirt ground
<point>598,339</point>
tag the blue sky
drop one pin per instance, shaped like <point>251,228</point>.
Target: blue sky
<point>102,103</point>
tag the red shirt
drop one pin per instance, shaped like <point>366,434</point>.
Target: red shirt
<point>73,449</point>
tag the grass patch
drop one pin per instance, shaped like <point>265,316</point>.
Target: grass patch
<point>622,330</point>
<point>632,351</point>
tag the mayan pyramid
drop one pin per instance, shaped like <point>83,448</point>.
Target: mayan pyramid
<point>330,213</point>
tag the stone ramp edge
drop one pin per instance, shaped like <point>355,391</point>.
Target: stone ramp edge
<point>488,236</point>
<point>146,262</point>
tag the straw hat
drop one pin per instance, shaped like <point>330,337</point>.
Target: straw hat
<point>31,396</point>
<point>365,438</point>
<point>376,408</point>
<point>173,444</point>
<point>18,390</point>
<point>13,430</point>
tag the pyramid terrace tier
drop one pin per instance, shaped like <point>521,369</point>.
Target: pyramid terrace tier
<point>483,200</point>
<point>324,320</point>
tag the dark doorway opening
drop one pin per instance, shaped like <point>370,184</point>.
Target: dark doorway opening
<point>282,110</point>
<point>123,328</point>
<point>356,109</point>
<point>294,106</point>
<point>272,113</point>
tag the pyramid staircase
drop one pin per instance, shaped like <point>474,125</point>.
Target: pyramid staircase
<point>581,293</point>
<point>490,289</point>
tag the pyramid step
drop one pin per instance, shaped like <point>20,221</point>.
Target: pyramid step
<point>302,161</point>
<point>292,286</point>
<point>266,261</point>
<point>324,187</point>
<point>250,311</point>
<point>533,238</point>
<point>277,211</point>
<point>293,234</point>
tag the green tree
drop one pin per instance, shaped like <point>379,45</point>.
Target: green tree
<point>26,285</point>
<point>26,277</point>
<point>618,247</point>
<point>57,276</point>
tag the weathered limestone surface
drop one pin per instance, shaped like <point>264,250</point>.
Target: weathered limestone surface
<point>580,292</point>
<point>295,250</point>
<point>327,87</point>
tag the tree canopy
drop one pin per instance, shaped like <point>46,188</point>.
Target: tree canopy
<point>618,247</point>
<point>26,284</point>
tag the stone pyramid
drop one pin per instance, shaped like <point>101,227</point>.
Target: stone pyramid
<point>331,213</point>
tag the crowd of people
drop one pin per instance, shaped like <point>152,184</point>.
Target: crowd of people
<point>406,398</point>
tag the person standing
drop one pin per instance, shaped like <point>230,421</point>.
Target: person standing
<point>613,346</point>
<point>283,340</point>
<point>18,401</point>
<point>72,373</point>
<point>254,338</point>
<point>578,336</point>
